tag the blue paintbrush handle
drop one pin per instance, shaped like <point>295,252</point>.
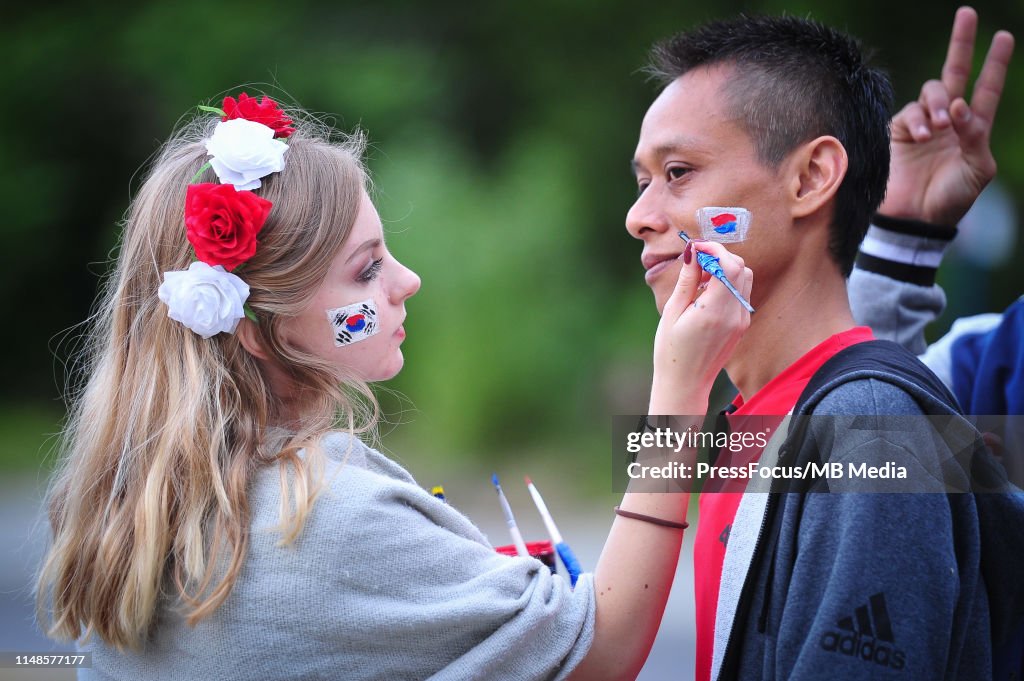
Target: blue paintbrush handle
<point>572,566</point>
<point>709,264</point>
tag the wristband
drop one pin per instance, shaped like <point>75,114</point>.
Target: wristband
<point>906,250</point>
<point>651,519</point>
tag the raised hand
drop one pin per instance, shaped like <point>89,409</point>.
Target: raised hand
<point>941,158</point>
<point>698,332</point>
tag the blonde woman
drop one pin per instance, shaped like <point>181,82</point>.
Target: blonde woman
<point>218,513</point>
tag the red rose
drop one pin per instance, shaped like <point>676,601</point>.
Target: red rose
<point>222,223</point>
<point>265,112</point>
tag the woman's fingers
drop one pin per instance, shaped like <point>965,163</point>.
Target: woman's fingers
<point>732,265</point>
<point>746,283</point>
<point>685,290</point>
<point>696,336</point>
<point>718,308</point>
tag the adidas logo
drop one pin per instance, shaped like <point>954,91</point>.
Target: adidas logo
<point>867,635</point>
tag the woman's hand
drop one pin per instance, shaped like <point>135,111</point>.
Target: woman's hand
<point>698,332</point>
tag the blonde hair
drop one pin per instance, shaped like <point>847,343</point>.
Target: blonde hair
<point>166,432</point>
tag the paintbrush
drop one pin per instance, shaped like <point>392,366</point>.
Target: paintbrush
<point>709,264</point>
<point>510,519</point>
<point>572,566</point>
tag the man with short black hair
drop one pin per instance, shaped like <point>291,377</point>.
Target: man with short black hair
<point>786,118</point>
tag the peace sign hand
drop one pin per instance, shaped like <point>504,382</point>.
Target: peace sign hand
<point>941,158</point>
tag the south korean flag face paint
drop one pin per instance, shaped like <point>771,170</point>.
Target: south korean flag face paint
<point>724,225</point>
<point>353,323</point>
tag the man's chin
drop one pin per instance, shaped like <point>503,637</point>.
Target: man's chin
<point>659,301</point>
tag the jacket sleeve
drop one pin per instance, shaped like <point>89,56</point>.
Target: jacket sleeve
<point>882,585</point>
<point>892,287</point>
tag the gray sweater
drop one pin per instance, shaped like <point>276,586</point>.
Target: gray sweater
<point>385,582</point>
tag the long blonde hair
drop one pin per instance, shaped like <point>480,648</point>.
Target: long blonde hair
<point>165,433</point>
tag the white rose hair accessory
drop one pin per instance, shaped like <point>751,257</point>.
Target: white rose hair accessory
<point>243,152</point>
<point>223,220</point>
<point>206,299</point>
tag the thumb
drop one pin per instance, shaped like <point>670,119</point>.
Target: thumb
<point>685,290</point>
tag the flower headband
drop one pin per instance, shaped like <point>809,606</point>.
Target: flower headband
<point>222,220</point>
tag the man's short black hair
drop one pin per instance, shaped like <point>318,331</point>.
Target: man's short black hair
<point>796,79</point>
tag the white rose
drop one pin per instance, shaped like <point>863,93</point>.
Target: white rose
<point>243,152</point>
<point>206,299</point>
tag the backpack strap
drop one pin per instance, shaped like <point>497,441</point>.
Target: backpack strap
<point>885,361</point>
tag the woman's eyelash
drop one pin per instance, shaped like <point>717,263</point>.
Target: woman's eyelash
<point>371,272</point>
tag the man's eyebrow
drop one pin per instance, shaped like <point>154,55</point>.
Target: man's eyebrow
<point>680,144</point>
<point>366,245</point>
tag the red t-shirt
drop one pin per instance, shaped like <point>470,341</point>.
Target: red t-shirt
<point>718,508</point>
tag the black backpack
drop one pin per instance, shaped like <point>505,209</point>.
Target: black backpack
<point>1000,512</point>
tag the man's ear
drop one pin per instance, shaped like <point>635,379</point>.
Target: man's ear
<point>249,336</point>
<point>818,168</point>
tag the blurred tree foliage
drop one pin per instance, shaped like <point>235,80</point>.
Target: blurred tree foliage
<point>501,139</point>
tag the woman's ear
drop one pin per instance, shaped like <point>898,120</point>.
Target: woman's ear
<point>820,168</point>
<point>249,336</point>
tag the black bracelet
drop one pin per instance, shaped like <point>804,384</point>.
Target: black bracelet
<point>651,519</point>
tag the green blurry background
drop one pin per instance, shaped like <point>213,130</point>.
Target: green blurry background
<point>501,140</point>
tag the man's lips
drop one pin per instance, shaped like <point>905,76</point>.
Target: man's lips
<point>649,260</point>
<point>654,263</point>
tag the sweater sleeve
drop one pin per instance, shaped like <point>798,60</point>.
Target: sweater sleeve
<point>383,582</point>
<point>892,287</point>
<point>413,590</point>
<point>883,585</point>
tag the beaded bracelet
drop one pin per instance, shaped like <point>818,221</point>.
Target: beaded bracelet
<point>651,519</point>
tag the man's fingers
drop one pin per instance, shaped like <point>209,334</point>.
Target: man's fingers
<point>935,100</point>
<point>911,123</point>
<point>973,133</point>
<point>989,87</point>
<point>957,68</point>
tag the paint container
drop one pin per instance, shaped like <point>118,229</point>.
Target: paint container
<point>544,551</point>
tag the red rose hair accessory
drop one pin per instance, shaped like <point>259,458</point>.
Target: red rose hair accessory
<point>221,223</point>
<point>223,220</point>
<point>265,112</point>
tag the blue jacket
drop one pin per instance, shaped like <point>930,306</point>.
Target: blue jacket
<point>869,586</point>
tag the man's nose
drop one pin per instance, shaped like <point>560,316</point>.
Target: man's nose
<point>646,215</point>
